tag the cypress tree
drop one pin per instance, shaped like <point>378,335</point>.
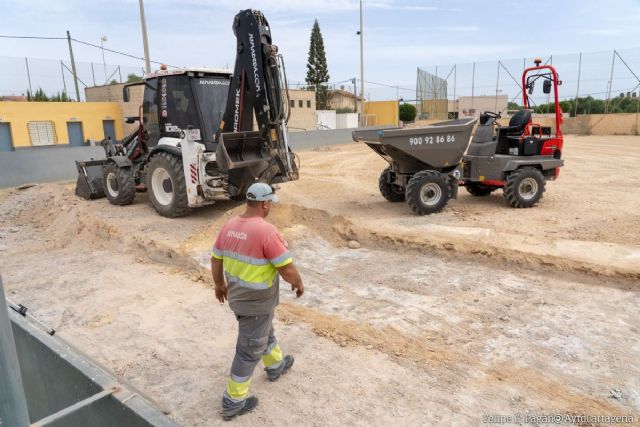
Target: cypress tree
<point>317,70</point>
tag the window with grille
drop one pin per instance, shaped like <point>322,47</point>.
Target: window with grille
<point>42,133</point>
<point>293,103</point>
<point>300,103</point>
<point>308,104</point>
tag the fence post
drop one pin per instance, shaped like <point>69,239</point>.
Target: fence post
<point>495,108</point>
<point>473,79</point>
<point>606,104</point>
<point>73,67</point>
<point>64,83</point>
<point>26,61</point>
<point>93,74</point>
<point>13,406</point>
<point>455,102</point>
<point>578,86</point>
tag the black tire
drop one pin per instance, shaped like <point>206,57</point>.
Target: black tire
<point>524,187</point>
<point>119,184</point>
<point>428,192</point>
<point>166,185</point>
<point>478,190</point>
<point>391,192</point>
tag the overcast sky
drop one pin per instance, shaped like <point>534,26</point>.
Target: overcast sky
<point>399,35</point>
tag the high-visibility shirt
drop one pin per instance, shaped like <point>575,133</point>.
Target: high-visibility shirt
<point>251,249</point>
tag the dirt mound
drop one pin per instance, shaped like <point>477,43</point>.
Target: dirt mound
<point>56,218</point>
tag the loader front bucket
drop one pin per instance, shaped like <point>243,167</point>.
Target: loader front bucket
<point>89,184</point>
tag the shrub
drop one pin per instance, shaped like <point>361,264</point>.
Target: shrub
<point>408,112</point>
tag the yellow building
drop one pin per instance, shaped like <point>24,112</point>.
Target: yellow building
<point>381,113</point>
<point>30,124</point>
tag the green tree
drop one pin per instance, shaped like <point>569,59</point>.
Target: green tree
<point>132,78</point>
<point>513,106</point>
<point>39,96</point>
<point>317,70</point>
<point>60,97</point>
<point>408,112</point>
<point>113,82</point>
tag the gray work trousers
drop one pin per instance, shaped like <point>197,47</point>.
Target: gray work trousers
<point>255,339</point>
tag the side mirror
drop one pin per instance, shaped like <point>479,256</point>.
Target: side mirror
<point>546,86</point>
<point>125,94</point>
<point>530,87</point>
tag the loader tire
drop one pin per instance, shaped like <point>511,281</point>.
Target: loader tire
<point>478,190</point>
<point>428,192</point>
<point>524,187</point>
<point>166,185</point>
<point>391,192</point>
<point>119,184</point>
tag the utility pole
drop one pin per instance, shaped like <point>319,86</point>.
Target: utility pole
<point>73,67</point>
<point>362,117</point>
<point>145,42</point>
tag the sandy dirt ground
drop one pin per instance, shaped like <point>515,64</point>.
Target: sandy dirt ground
<point>436,320</point>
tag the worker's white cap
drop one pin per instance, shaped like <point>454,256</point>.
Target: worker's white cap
<point>261,192</point>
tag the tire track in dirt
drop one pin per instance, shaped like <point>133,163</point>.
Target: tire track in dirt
<point>454,367</point>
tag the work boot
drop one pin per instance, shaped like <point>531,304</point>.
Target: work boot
<point>274,374</point>
<point>230,410</point>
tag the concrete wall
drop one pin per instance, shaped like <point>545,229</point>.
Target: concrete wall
<point>346,121</point>
<point>326,119</point>
<point>43,164</point>
<point>320,138</point>
<point>56,376</point>
<point>382,113</point>
<point>602,124</point>
<point>90,114</point>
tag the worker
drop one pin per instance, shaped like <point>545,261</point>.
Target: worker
<point>248,257</point>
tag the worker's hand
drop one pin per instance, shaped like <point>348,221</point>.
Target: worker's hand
<point>221,293</point>
<point>299,289</point>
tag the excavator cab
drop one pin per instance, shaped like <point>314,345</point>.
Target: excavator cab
<point>182,99</point>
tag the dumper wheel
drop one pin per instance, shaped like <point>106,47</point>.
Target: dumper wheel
<point>391,192</point>
<point>119,185</point>
<point>428,192</point>
<point>167,188</point>
<point>524,187</point>
<point>478,190</point>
